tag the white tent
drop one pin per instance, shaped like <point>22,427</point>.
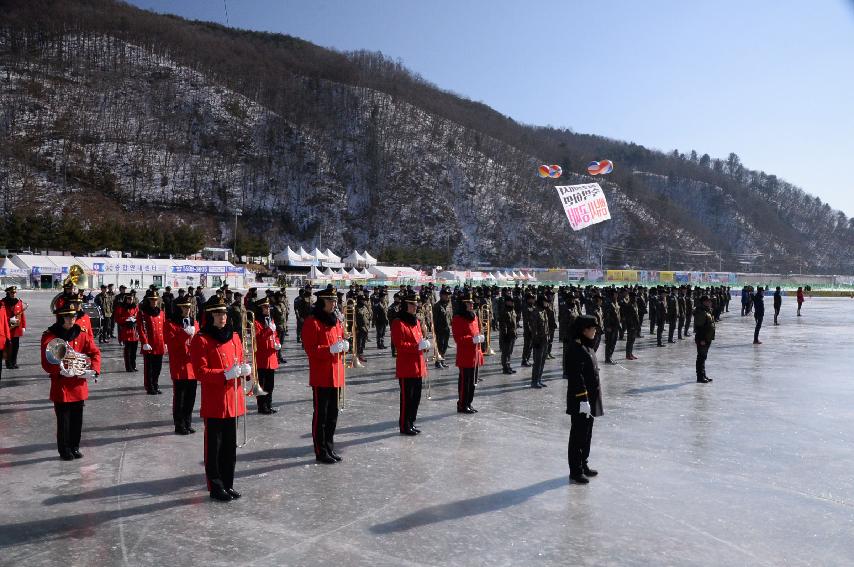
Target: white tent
<point>330,256</point>
<point>354,273</point>
<point>354,259</point>
<point>532,277</point>
<point>287,257</point>
<point>365,274</point>
<point>369,260</point>
<point>329,273</point>
<point>499,276</point>
<point>342,273</point>
<point>319,256</point>
<point>304,255</point>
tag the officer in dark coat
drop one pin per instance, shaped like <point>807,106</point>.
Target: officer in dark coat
<point>527,312</point>
<point>704,334</point>
<point>758,313</point>
<point>660,316</point>
<point>583,396</point>
<point>443,313</point>
<point>778,302</point>
<point>631,321</point>
<point>689,311</point>
<point>380,316</point>
<point>507,333</point>
<point>612,325</point>
<point>672,314</point>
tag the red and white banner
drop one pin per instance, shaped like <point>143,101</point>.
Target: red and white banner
<point>584,205</point>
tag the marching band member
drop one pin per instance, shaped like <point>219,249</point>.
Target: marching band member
<point>180,329</point>
<point>14,308</point>
<point>267,347</point>
<point>216,353</point>
<point>150,328</point>
<point>83,320</point>
<point>323,340</point>
<point>125,314</point>
<point>410,365</point>
<point>468,338</point>
<point>68,388</point>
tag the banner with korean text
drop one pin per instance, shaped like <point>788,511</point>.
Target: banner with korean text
<point>584,205</point>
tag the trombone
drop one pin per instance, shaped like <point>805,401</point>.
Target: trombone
<point>252,388</point>
<point>485,315</point>
<point>427,327</point>
<point>351,332</point>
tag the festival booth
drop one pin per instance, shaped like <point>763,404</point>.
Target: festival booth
<point>332,260</point>
<point>354,260</point>
<point>11,274</point>
<point>394,275</point>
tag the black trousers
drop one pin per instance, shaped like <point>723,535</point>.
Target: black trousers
<point>111,323</point>
<point>465,388</point>
<point>380,334</point>
<point>659,330</point>
<point>129,353</point>
<point>361,341</point>
<point>687,331</point>
<point>299,329</point>
<point>702,354</point>
<point>1,363</point>
<point>671,326</point>
<point>580,435</point>
<point>220,451</point>
<point>280,333</point>
<point>610,343</point>
<point>680,325</point>
<point>776,314</point>
<point>506,343</point>
<point>69,424</point>
<point>324,420</point>
<point>597,340</point>
<point>526,347</point>
<point>13,346</point>
<point>640,324</point>
<point>183,401</point>
<point>151,365</point>
<point>410,398</point>
<point>267,381</point>
<point>551,340</point>
<point>756,330</point>
<point>540,352</point>
<point>652,325</point>
<point>631,334</point>
<point>442,338</point>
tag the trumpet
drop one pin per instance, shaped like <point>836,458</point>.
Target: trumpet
<point>60,352</point>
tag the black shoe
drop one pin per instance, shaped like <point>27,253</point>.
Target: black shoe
<point>535,385</point>
<point>233,493</point>
<point>671,341</point>
<point>588,471</point>
<point>525,363</point>
<point>190,430</point>
<point>661,345</point>
<point>151,392</point>
<point>158,391</point>
<point>543,384</point>
<point>707,378</point>
<point>264,411</point>
<point>466,410</point>
<point>609,361</point>
<point>76,454</point>
<point>512,371</point>
<point>703,380</point>
<point>578,478</point>
<point>66,456</point>
<point>220,494</point>
<point>325,459</point>
<point>415,429</point>
<point>471,410</point>
<point>271,410</point>
<point>506,371</point>
<point>336,456</point>
<point>550,357</point>
<point>181,431</point>
<point>407,432</point>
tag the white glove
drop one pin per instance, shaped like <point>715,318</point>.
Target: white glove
<point>146,348</point>
<point>477,339</point>
<point>246,369</point>
<point>24,331</point>
<point>131,319</point>
<point>67,372</point>
<point>233,372</point>
<point>584,408</point>
<point>277,346</point>
<point>335,347</point>
<point>272,326</point>
<point>88,374</point>
<point>190,331</point>
<point>424,344</point>
<point>345,345</point>
<point>13,320</point>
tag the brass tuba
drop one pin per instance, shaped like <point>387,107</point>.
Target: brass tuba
<point>59,351</point>
<point>75,276</point>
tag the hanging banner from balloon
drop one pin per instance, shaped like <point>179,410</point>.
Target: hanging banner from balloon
<point>584,205</point>
<point>553,171</point>
<point>600,167</point>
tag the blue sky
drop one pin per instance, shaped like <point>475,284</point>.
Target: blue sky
<point>771,80</point>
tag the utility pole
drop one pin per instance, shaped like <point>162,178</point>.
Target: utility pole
<point>237,213</point>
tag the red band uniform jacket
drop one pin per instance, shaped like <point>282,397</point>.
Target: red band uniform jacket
<point>151,331</point>
<point>469,355</point>
<point>64,389</point>
<point>127,333</point>
<point>16,310</point>
<point>326,370</point>
<point>178,343</point>
<point>266,355</point>
<point>410,362</point>
<point>221,398</point>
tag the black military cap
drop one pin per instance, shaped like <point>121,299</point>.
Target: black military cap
<point>329,293</point>
<point>183,301</point>
<point>216,304</point>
